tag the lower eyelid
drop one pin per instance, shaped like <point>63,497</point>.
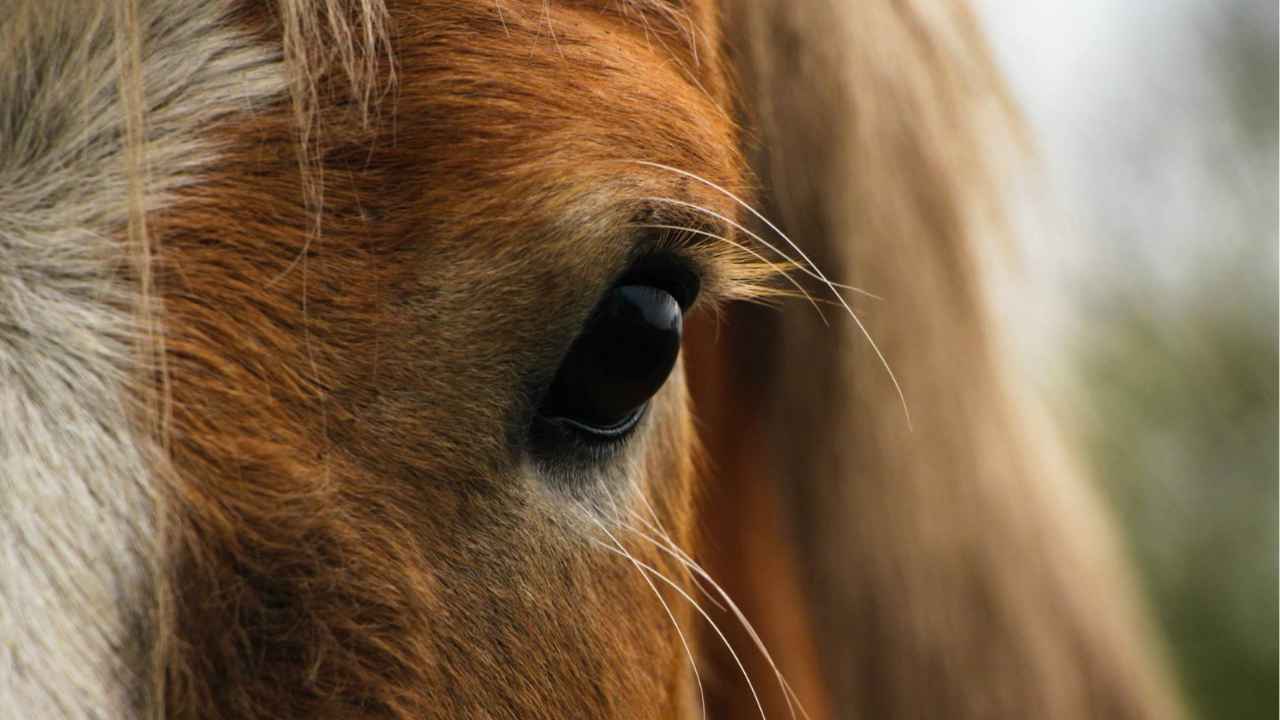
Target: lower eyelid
<point>610,433</point>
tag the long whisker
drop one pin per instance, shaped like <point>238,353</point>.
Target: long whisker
<point>701,574</point>
<point>675,586</point>
<point>667,544</point>
<point>753,253</point>
<point>664,537</point>
<point>862,328</point>
<point>502,18</point>
<point>641,567</point>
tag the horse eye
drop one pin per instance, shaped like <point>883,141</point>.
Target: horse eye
<point>620,360</point>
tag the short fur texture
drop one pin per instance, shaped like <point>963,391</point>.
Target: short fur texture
<point>279,285</point>
<point>77,471</point>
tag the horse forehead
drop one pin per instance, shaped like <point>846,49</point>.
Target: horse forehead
<point>556,62</point>
<point>75,465</point>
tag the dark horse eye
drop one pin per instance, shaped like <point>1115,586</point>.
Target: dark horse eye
<point>620,360</point>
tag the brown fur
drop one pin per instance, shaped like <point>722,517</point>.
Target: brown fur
<point>359,537</point>
<point>360,293</point>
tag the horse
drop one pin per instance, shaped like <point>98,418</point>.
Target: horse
<point>528,359</point>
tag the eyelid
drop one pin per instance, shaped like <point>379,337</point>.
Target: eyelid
<point>672,272</point>
<point>728,267</point>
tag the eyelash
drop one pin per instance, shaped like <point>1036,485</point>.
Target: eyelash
<point>726,267</point>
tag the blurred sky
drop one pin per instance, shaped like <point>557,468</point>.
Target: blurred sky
<point>1148,171</point>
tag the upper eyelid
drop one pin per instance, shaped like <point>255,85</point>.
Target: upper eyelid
<point>672,268</point>
<point>692,236</point>
<point>729,265</point>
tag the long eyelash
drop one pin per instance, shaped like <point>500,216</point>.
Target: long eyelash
<point>816,272</point>
<point>775,268</point>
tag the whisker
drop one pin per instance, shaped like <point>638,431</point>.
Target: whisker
<point>759,216</point>
<point>664,543</point>
<point>640,566</point>
<point>668,544</point>
<point>644,567</point>
<point>753,253</point>
<point>701,576</point>
<point>546,11</point>
<point>502,18</point>
<point>858,290</point>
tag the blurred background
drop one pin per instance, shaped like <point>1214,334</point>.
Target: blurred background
<point>1147,307</point>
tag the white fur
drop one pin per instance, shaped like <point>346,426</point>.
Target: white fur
<point>78,501</point>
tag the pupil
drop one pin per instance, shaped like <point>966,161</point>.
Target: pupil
<point>620,360</point>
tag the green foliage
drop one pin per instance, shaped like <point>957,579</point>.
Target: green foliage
<point>1183,433</point>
